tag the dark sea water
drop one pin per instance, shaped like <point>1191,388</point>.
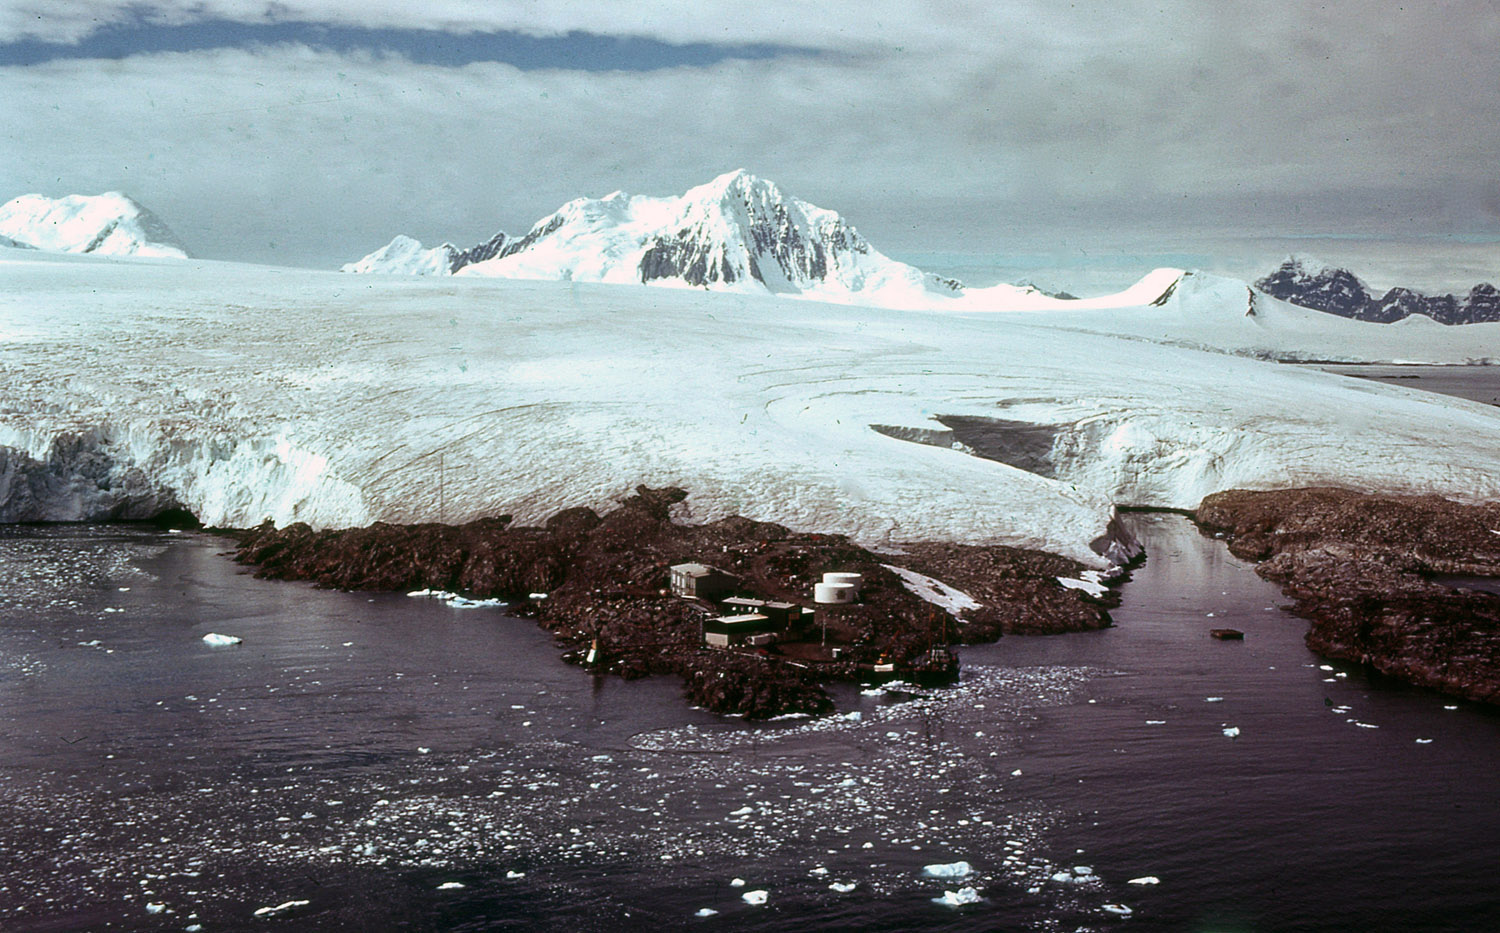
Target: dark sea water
<point>1475,383</point>
<point>359,753</point>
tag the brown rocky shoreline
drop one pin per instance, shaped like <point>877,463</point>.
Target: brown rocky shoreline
<point>606,582</point>
<point>1365,570</point>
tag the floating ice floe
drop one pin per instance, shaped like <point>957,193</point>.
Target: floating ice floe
<point>1119,910</point>
<point>456,601</point>
<point>284,906</point>
<point>949,870</point>
<point>737,883</point>
<point>154,908</point>
<point>1451,707</point>
<point>450,886</point>
<point>1424,741</point>
<point>756,898</point>
<point>515,874</point>
<point>1232,731</point>
<point>1156,722</point>
<point>706,912</point>
<point>1145,879</point>
<point>842,888</point>
<point>1213,699</point>
<point>958,898</point>
<point>221,641</point>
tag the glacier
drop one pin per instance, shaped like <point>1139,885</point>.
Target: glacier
<point>109,224</point>
<point>248,393</point>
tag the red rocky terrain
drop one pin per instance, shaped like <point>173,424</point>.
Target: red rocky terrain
<point>1362,568</point>
<point>606,579</point>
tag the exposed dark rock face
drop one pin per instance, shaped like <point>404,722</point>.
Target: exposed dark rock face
<point>489,249</point>
<point>1340,292</point>
<point>1359,567</point>
<point>606,578</point>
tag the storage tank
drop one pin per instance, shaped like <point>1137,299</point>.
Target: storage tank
<point>853,579</point>
<point>833,593</point>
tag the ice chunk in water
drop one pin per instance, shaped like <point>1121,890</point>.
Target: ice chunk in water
<point>1145,879</point>
<point>1232,731</point>
<point>958,898</point>
<point>949,870</point>
<point>450,886</point>
<point>1118,909</point>
<point>285,905</point>
<point>842,888</point>
<point>755,898</point>
<point>706,912</point>
<point>221,641</point>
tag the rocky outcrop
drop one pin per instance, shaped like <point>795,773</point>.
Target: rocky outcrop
<point>1339,291</point>
<point>606,580</point>
<point>1365,570</point>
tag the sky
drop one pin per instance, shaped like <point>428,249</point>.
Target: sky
<point>309,132</point>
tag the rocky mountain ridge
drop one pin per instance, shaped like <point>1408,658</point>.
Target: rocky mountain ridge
<point>1309,284</point>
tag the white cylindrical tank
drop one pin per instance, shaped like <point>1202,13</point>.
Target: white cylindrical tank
<point>833,593</point>
<point>853,579</point>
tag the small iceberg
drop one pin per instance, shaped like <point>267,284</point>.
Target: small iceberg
<point>450,886</point>
<point>1145,879</point>
<point>279,908</point>
<point>949,870</point>
<point>755,898</point>
<point>841,888</point>
<point>706,912</point>
<point>959,898</point>
<point>1232,731</point>
<point>214,639</point>
<point>1119,910</point>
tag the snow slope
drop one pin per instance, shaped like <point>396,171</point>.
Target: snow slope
<point>109,224</point>
<point>247,393</point>
<point>405,256</point>
<point>1211,312</point>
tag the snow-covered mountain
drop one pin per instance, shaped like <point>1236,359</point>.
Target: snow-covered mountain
<point>1312,284</point>
<point>110,224</point>
<point>736,233</point>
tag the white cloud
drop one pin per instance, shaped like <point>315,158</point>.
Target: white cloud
<point>949,126</point>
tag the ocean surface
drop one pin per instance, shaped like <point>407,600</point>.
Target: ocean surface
<point>1475,383</point>
<point>369,762</point>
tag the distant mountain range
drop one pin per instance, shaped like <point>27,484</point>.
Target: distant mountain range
<point>109,224</point>
<point>737,233</point>
<point>1310,284</point>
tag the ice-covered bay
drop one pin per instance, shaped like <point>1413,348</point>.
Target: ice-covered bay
<point>245,393</point>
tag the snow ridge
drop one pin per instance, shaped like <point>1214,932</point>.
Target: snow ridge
<point>110,224</point>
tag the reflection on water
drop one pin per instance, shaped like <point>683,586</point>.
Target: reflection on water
<point>367,754</point>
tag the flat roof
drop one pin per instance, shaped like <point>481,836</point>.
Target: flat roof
<point>741,620</point>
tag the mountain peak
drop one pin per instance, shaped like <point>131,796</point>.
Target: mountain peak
<point>111,224</point>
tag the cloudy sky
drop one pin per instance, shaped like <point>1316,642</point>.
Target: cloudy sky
<point>308,132</point>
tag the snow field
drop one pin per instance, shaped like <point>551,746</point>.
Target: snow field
<point>247,394</point>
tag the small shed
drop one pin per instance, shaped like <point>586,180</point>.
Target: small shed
<point>701,581</point>
<point>728,631</point>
